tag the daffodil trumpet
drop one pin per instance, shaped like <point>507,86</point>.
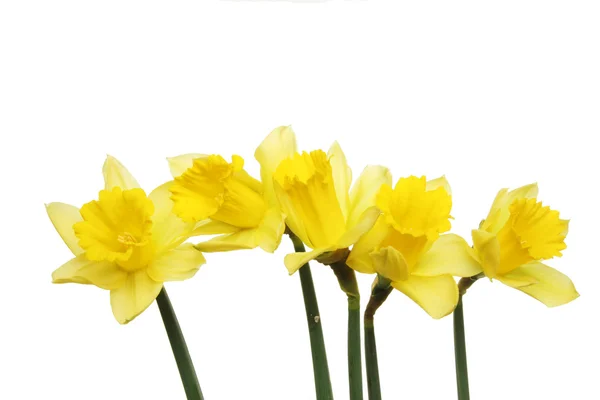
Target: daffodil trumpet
<point>347,280</point>
<point>379,293</point>
<point>323,388</point>
<point>130,244</point>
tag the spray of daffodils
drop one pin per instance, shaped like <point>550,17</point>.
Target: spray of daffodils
<point>131,242</point>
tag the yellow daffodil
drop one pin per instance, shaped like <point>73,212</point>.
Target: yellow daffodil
<point>405,247</point>
<point>518,233</point>
<point>125,242</point>
<point>224,200</point>
<point>313,190</point>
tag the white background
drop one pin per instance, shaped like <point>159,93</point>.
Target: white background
<point>491,94</point>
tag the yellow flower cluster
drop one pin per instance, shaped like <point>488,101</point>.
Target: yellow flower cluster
<point>130,243</point>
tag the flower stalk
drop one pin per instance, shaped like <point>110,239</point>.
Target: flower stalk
<point>317,343</point>
<point>347,280</point>
<point>460,348</point>
<point>179,347</point>
<point>380,292</point>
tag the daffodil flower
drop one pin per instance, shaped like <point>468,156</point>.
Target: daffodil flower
<point>313,190</point>
<point>511,243</point>
<point>222,199</point>
<point>404,246</point>
<point>125,242</point>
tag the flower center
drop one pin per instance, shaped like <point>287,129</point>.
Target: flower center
<point>128,239</point>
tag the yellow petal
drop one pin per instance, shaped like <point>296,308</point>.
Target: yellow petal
<point>63,217</point>
<point>487,249</point>
<point>136,294</point>
<point>104,274</point>
<point>363,225</point>
<point>442,182</point>
<point>179,164</point>
<point>437,295</point>
<point>450,254</point>
<point>390,263</point>
<point>365,189</point>
<point>242,240</point>
<point>342,176</point>
<point>116,175</point>
<point>176,265</point>
<point>553,288</point>
<point>411,247</point>
<point>247,180</point>
<point>211,227</point>
<point>362,263</point>
<point>383,199</point>
<point>277,146</point>
<point>269,232</point>
<point>163,205</point>
<point>499,212</point>
<point>360,259</point>
<point>516,280</point>
<point>294,261</point>
<point>168,230</point>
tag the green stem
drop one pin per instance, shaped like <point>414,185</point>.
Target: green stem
<point>180,350</point>
<point>460,352</point>
<point>354,353</point>
<point>373,384</point>
<point>315,329</point>
<point>381,291</point>
<point>347,280</point>
<point>460,347</point>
